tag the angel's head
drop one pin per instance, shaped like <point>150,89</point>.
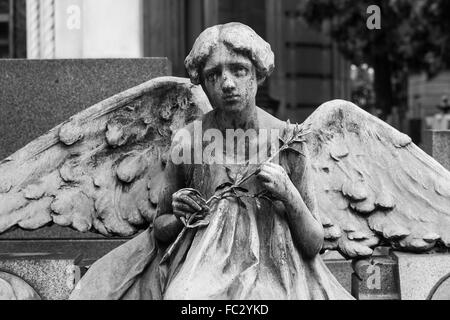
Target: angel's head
<point>230,61</point>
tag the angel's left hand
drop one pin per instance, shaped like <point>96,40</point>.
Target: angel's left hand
<point>275,179</point>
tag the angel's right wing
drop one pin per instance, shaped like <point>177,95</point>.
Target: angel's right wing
<point>101,169</point>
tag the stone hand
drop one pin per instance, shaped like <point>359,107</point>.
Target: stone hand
<point>275,179</point>
<point>185,202</point>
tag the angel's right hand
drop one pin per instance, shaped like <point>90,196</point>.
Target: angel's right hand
<point>185,203</point>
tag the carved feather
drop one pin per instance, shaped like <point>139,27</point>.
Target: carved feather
<point>374,185</point>
<point>101,169</point>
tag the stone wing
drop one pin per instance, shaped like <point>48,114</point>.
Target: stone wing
<point>373,185</point>
<point>102,169</point>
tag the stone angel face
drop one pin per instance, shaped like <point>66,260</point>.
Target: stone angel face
<point>230,61</point>
<point>102,170</point>
<point>229,80</point>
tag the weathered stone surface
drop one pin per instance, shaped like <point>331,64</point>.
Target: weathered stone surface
<point>15,288</point>
<point>86,189</point>
<point>82,250</point>
<point>419,273</point>
<point>50,278</point>
<point>441,147</point>
<point>340,267</point>
<point>52,267</point>
<point>342,271</point>
<point>37,95</point>
<point>441,290</point>
<point>88,183</point>
<point>376,279</point>
<point>48,232</point>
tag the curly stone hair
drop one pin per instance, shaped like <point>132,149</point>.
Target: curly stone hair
<point>237,37</point>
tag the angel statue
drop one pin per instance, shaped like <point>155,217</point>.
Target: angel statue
<point>225,220</point>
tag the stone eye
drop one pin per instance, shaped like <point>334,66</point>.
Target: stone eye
<point>211,76</point>
<point>240,71</point>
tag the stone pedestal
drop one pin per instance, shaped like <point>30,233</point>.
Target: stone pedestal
<point>53,267</point>
<point>419,273</point>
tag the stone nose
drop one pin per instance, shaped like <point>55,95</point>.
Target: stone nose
<point>228,83</point>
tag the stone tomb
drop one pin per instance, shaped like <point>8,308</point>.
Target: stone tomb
<point>38,95</point>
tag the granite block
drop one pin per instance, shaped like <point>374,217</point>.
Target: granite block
<point>51,232</point>
<point>419,273</point>
<point>342,268</point>
<point>441,291</point>
<point>376,279</point>
<point>81,250</point>
<point>52,267</point>
<point>15,288</point>
<point>437,144</point>
<point>342,271</point>
<point>52,279</point>
<point>37,95</point>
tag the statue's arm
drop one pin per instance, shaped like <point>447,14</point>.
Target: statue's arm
<point>304,222</point>
<point>166,225</point>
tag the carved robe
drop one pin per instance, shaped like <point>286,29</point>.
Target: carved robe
<point>246,251</point>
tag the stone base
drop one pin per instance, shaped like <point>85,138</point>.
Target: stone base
<point>51,279</point>
<point>52,267</point>
<point>419,273</point>
<point>54,275</point>
<point>340,268</point>
<point>342,271</point>
<point>376,278</point>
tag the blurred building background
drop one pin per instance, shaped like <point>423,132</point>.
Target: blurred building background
<point>309,69</point>
<point>310,63</point>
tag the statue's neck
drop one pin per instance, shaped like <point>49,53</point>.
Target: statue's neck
<point>244,119</point>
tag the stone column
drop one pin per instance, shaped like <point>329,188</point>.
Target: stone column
<point>33,28</point>
<point>84,29</point>
<point>40,29</point>
<point>277,82</point>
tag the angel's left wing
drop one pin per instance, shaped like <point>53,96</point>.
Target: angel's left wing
<point>101,169</point>
<point>373,185</point>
